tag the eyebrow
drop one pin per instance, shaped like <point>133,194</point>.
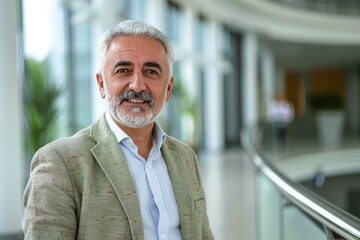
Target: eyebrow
<point>128,63</point>
<point>122,63</point>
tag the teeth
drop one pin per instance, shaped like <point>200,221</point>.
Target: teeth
<point>133,100</point>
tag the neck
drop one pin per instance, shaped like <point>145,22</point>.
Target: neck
<point>142,138</point>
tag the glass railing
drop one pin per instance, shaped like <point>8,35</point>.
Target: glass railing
<point>342,7</point>
<point>286,209</point>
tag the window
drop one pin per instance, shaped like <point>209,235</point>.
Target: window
<point>174,17</point>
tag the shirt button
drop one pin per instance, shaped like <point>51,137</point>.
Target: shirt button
<point>147,169</point>
<point>162,237</point>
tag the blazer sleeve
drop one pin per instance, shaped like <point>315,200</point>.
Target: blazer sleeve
<point>49,200</point>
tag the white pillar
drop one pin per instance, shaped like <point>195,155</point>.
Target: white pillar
<point>106,17</point>
<point>188,57</point>
<point>188,68</point>
<point>249,88</point>
<point>11,121</point>
<point>157,11</point>
<point>214,93</point>
<point>268,76</point>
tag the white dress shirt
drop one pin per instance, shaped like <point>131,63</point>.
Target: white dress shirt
<point>159,211</point>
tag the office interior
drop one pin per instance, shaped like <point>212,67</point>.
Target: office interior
<point>231,58</point>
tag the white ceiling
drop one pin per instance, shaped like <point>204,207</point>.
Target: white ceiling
<point>298,38</point>
<point>300,56</point>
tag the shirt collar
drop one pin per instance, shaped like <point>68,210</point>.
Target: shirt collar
<point>158,134</point>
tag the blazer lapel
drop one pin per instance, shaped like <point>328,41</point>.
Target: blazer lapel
<point>183,195</point>
<point>111,159</point>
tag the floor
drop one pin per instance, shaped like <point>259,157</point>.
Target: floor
<point>228,180</point>
<point>229,183</point>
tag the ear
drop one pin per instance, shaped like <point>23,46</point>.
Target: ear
<point>101,84</point>
<point>169,89</point>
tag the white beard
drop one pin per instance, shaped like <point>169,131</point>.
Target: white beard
<point>127,119</point>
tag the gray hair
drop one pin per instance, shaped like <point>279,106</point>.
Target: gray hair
<point>132,28</point>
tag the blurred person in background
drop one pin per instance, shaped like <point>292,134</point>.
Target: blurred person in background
<point>122,177</point>
<point>281,115</point>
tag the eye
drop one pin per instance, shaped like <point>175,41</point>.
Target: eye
<point>122,70</point>
<point>151,72</point>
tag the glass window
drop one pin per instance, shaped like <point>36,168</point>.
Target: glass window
<point>137,9</point>
<point>78,69</point>
<point>174,18</point>
<point>225,43</point>
<point>132,9</point>
<point>81,76</point>
<point>201,33</point>
<point>123,7</point>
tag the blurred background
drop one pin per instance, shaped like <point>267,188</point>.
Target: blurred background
<point>232,58</point>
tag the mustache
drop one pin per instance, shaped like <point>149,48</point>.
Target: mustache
<point>131,94</point>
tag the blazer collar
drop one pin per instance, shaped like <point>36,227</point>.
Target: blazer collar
<point>177,172</point>
<point>111,159</point>
<point>109,156</point>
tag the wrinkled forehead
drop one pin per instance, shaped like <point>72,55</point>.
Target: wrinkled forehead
<point>137,48</point>
<point>137,42</point>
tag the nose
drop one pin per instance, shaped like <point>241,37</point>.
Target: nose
<point>137,82</point>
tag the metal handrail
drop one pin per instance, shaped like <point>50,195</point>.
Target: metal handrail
<point>325,212</point>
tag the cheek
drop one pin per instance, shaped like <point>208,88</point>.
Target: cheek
<point>116,88</point>
<point>163,96</point>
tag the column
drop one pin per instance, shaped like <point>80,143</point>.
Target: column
<point>106,17</point>
<point>268,77</point>
<point>249,78</point>
<point>188,69</point>
<point>157,12</point>
<point>189,51</point>
<point>214,94</point>
<point>11,122</point>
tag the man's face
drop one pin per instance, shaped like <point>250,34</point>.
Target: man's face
<point>136,80</point>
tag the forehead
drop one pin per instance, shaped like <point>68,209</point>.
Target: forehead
<point>136,48</point>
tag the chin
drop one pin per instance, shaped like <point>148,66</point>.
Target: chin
<point>136,121</point>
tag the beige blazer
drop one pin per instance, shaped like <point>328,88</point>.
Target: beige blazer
<point>81,188</point>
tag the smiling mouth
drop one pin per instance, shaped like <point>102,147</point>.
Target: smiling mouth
<point>133,97</point>
<point>136,104</point>
<point>136,100</point>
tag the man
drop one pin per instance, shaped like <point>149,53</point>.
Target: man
<point>121,178</point>
<point>281,115</point>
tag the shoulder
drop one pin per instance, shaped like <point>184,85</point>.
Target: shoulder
<point>181,154</point>
<point>179,146</point>
<point>66,147</point>
<point>83,140</point>
<point>79,139</point>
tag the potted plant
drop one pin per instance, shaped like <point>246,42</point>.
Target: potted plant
<point>182,114</point>
<point>329,114</point>
<point>41,95</point>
